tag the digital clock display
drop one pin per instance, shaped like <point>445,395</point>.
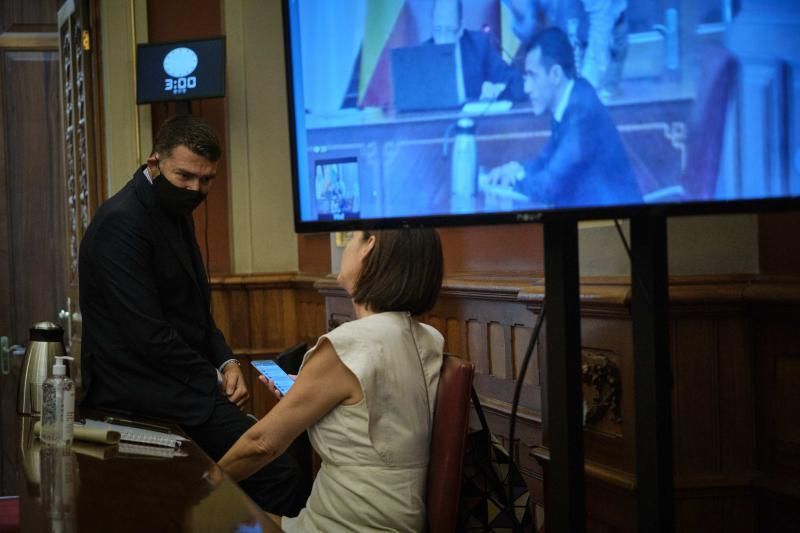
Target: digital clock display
<point>185,70</point>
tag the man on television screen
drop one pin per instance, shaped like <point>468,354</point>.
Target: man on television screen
<point>482,72</point>
<point>584,162</point>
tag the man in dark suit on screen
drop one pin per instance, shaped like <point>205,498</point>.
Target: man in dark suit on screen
<point>584,162</point>
<point>150,345</point>
<point>482,73</point>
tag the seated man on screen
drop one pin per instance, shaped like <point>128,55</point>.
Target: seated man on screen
<point>482,73</point>
<point>584,162</point>
<point>150,345</point>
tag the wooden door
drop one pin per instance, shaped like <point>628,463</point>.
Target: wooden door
<point>31,199</point>
<point>49,183</point>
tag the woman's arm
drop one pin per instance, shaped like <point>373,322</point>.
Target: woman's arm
<point>323,383</point>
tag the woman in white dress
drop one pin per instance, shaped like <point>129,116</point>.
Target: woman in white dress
<point>365,393</point>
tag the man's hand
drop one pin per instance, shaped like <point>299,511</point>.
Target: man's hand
<point>491,91</point>
<point>233,384</point>
<point>506,175</point>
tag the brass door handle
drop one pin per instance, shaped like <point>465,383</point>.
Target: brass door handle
<point>67,319</point>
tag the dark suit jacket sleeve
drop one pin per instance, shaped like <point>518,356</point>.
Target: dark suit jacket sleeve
<point>559,163</point>
<point>498,71</point>
<point>219,349</point>
<point>484,62</point>
<point>124,262</point>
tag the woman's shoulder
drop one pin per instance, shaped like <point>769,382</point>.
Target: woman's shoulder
<point>377,322</point>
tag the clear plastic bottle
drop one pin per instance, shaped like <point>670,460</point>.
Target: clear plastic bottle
<point>58,406</point>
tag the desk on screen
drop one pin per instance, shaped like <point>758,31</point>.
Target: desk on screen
<point>403,159</point>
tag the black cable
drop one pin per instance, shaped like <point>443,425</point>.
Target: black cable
<point>518,389</point>
<point>635,279</point>
<point>624,240</point>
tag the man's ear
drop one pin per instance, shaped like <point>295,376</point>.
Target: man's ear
<point>152,165</point>
<point>556,74</point>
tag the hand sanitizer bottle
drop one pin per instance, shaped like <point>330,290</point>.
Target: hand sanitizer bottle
<point>58,406</point>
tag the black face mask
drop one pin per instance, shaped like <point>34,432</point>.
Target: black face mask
<point>175,200</point>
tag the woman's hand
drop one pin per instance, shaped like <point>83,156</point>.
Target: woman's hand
<point>271,385</point>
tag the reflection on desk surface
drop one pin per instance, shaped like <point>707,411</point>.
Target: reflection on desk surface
<point>70,490</point>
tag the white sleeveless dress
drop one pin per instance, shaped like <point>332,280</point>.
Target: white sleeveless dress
<point>375,453</point>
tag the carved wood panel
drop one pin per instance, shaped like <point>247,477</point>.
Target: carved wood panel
<point>79,93</point>
<point>81,99</point>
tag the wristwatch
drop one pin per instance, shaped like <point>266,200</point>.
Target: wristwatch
<point>229,361</point>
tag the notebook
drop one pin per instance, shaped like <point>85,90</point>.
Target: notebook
<point>424,77</point>
<point>129,448</point>
<point>137,435</point>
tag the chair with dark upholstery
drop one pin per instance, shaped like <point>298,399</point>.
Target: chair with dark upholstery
<point>450,426</point>
<point>706,129</point>
<point>9,514</point>
<point>707,122</point>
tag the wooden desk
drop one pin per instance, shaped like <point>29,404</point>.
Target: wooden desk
<point>77,489</point>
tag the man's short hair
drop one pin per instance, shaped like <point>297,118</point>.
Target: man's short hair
<point>190,131</point>
<point>459,8</point>
<point>555,50</point>
<point>402,272</point>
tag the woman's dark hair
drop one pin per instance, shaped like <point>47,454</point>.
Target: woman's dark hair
<point>555,49</point>
<point>190,131</point>
<point>402,272</point>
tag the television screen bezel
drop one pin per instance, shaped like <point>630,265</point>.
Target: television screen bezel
<point>716,207</point>
<point>220,38</point>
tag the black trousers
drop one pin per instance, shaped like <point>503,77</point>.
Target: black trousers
<point>278,487</point>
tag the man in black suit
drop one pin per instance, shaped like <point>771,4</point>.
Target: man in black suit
<point>150,345</point>
<point>482,72</point>
<point>584,162</point>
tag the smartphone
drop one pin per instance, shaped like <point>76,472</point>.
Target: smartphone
<point>271,370</point>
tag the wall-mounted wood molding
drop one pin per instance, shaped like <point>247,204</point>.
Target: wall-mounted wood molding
<point>612,476</point>
<point>29,41</point>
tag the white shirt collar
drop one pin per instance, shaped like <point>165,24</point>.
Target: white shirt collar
<point>561,108</point>
<point>146,173</point>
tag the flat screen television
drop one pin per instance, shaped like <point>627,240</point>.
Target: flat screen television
<point>674,108</point>
<point>181,70</point>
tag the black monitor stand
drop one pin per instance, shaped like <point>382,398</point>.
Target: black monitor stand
<point>565,493</point>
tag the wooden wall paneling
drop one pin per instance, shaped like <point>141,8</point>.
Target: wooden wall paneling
<point>239,310</point>
<point>310,313</point>
<point>314,253</point>
<point>777,509</point>
<point>609,507</point>
<point>266,318</point>
<point>221,310</point>
<point>695,398</point>
<point>777,418</point>
<point>736,369</point>
<point>289,311</point>
<point>737,395</point>
<point>505,248</point>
